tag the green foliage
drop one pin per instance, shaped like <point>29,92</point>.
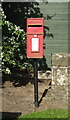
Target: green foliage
<point>14,47</point>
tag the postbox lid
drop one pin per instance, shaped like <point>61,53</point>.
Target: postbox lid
<point>35,21</point>
<point>35,25</point>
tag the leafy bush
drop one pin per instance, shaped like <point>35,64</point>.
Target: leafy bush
<point>13,47</point>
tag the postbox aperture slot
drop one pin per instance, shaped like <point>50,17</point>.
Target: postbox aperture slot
<point>34,25</point>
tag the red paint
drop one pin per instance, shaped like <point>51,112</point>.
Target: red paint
<point>35,34</point>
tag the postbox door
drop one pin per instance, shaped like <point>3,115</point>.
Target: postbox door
<point>35,46</point>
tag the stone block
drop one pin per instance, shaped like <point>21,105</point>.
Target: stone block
<point>44,75</point>
<point>61,59</point>
<point>60,76</point>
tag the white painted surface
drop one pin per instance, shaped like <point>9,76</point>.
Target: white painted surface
<point>35,44</point>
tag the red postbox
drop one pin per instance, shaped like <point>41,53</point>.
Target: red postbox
<point>35,37</point>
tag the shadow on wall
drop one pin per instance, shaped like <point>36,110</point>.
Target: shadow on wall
<point>17,12</point>
<point>17,78</point>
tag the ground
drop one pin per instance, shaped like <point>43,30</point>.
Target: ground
<point>19,99</point>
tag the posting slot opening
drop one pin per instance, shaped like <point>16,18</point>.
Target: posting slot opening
<point>34,25</point>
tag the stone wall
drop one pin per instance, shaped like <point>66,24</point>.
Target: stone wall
<point>60,78</point>
<point>59,94</point>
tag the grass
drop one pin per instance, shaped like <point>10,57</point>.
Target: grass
<point>50,113</point>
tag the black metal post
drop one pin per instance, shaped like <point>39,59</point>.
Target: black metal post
<point>35,84</point>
